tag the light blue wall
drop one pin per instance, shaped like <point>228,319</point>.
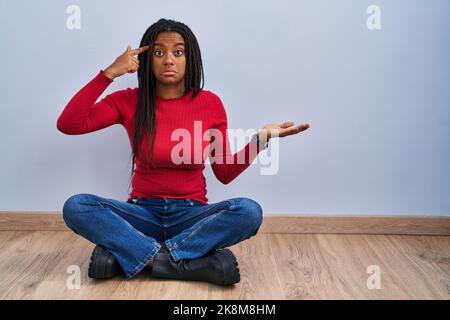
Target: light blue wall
<point>377,100</point>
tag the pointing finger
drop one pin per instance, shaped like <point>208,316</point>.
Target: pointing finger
<point>139,50</point>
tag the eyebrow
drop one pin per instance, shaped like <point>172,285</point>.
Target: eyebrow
<point>162,45</point>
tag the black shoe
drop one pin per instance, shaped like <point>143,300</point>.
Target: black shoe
<point>103,264</point>
<point>219,267</point>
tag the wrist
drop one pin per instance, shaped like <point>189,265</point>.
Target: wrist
<point>263,136</point>
<point>108,73</point>
<point>260,139</point>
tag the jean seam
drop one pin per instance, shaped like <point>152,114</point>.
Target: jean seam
<point>128,213</point>
<point>164,227</point>
<point>172,248</point>
<point>183,221</point>
<point>197,230</point>
<point>145,262</point>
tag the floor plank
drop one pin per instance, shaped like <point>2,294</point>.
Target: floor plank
<point>36,265</point>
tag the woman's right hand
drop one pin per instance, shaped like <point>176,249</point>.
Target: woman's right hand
<point>125,63</point>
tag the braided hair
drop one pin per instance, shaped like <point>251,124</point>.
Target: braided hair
<point>145,118</point>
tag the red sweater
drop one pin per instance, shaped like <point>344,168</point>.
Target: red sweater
<point>169,180</point>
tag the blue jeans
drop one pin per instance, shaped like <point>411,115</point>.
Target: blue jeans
<point>132,230</point>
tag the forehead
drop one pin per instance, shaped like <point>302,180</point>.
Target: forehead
<point>168,39</point>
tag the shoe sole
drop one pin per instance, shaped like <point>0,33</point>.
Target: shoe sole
<point>230,267</point>
<point>98,265</point>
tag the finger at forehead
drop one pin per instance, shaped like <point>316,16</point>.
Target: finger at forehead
<point>138,50</point>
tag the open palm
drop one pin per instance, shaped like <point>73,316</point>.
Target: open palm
<point>282,130</point>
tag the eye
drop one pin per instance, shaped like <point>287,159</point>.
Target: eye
<point>160,55</point>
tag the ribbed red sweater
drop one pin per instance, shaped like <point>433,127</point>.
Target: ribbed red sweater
<point>169,180</point>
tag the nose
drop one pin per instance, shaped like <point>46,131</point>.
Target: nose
<point>168,60</point>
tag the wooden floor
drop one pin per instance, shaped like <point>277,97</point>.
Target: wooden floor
<point>33,265</point>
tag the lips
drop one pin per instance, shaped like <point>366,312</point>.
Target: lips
<point>168,72</point>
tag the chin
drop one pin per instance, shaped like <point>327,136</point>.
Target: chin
<point>171,80</point>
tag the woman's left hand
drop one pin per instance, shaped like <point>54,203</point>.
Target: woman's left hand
<point>282,130</point>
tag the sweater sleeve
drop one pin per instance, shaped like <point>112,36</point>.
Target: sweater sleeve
<point>226,165</point>
<point>83,114</point>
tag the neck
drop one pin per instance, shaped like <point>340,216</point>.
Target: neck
<point>172,91</point>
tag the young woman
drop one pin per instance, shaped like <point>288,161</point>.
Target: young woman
<point>166,224</point>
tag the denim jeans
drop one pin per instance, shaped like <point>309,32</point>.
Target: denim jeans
<point>132,230</point>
